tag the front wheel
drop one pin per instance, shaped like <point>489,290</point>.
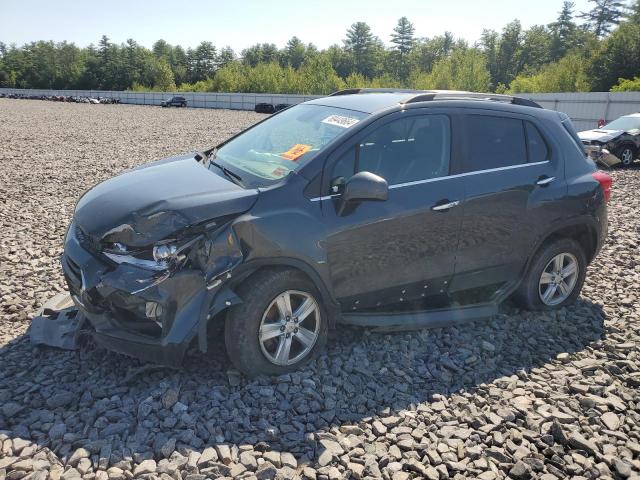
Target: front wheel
<point>279,326</point>
<point>625,154</point>
<point>555,276</point>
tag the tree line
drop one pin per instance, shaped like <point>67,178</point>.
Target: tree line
<point>596,50</point>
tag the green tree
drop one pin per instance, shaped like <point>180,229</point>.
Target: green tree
<point>464,69</point>
<point>567,75</point>
<point>489,42</point>
<point>265,78</point>
<point>231,78</point>
<point>294,53</point>
<point>403,40</point>
<point>227,55</point>
<point>427,51</point>
<point>626,85</point>
<point>161,49</point>
<point>163,77</point>
<point>203,61</point>
<point>402,36</point>
<point>317,76</point>
<point>617,57</point>
<point>603,16</point>
<point>340,60</point>
<point>260,53</point>
<point>252,55</point>
<point>508,58</point>
<point>362,47</point>
<point>536,46</point>
<point>71,62</point>
<point>563,32</point>
<point>179,64</point>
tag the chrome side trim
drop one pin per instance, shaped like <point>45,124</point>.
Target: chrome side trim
<point>326,197</point>
<point>545,181</point>
<point>429,180</point>
<point>446,206</point>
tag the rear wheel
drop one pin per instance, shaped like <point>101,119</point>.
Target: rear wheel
<point>555,276</point>
<point>626,154</point>
<point>280,325</point>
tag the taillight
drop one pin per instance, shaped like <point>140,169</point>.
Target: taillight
<point>605,181</point>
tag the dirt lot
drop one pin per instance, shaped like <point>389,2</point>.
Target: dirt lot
<point>524,395</point>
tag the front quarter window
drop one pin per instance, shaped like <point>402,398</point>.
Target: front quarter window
<point>284,143</point>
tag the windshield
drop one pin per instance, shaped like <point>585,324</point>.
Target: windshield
<point>284,143</point>
<point>624,123</point>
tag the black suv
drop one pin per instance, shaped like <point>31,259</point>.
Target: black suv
<point>380,208</point>
<point>174,102</point>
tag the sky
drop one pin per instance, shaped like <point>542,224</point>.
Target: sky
<point>241,23</point>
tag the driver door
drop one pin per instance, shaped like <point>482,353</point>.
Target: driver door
<point>403,248</point>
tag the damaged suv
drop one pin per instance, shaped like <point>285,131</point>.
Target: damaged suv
<point>394,209</point>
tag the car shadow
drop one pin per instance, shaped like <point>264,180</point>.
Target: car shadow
<point>123,408</point>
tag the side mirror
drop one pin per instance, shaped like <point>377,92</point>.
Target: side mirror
<point>361,187</point>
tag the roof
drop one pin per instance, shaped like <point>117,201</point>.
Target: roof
<point>369,103</point>
<point>374,100</point>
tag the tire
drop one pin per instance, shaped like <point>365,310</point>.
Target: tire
<point>530,292</point>
<point>260,312</point>
<point>626,154</point>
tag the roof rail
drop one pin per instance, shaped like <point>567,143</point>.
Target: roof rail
<point>495,97</point>
<point>353,91</point>
<point>430,95</point>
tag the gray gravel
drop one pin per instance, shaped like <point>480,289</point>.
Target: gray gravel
<point>524,395</point>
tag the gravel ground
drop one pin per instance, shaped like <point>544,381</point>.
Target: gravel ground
<point>524,395</point>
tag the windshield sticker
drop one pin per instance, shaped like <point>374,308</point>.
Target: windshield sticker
<point>295,152</point>
<point>340,121</point>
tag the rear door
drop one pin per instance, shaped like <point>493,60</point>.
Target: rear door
<point>512,179</point>
<point>404,248</point>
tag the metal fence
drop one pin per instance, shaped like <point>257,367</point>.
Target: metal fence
<point>233,101</point>
<point>585,109</point>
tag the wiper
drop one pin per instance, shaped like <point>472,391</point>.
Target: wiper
<point>235,178</point>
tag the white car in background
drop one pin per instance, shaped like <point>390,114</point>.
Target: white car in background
<point>615,143</point>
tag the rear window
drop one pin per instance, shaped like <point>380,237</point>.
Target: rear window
<point>568,126</point>
<point>494,142</point>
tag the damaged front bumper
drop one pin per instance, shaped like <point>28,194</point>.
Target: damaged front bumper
<point>151,315</point>
<point>601,155</point>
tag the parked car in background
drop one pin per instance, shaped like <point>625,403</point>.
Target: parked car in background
<point>174,102</point>
<point>615,143</point>
<point>368,207</point>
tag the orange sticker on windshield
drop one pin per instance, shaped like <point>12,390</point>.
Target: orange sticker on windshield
<point>295,152</point>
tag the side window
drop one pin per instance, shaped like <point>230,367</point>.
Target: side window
<point>536,146</point>
<point>494,142</point>
<point>405,150</point>
<point>342,170</point>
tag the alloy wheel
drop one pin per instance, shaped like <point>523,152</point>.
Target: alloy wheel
<point>627,156</point>
<point>558,279</point>
<point>289,328</point>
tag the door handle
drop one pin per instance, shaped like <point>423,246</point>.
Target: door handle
<point>445,206</point>
<point>542,181</point>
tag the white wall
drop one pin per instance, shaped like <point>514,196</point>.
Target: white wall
<point>585,109</point>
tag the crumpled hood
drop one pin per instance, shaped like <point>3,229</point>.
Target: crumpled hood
<point>154,201</point>
<point>600,135</point>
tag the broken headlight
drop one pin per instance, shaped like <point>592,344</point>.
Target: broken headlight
<point>164,255</point>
